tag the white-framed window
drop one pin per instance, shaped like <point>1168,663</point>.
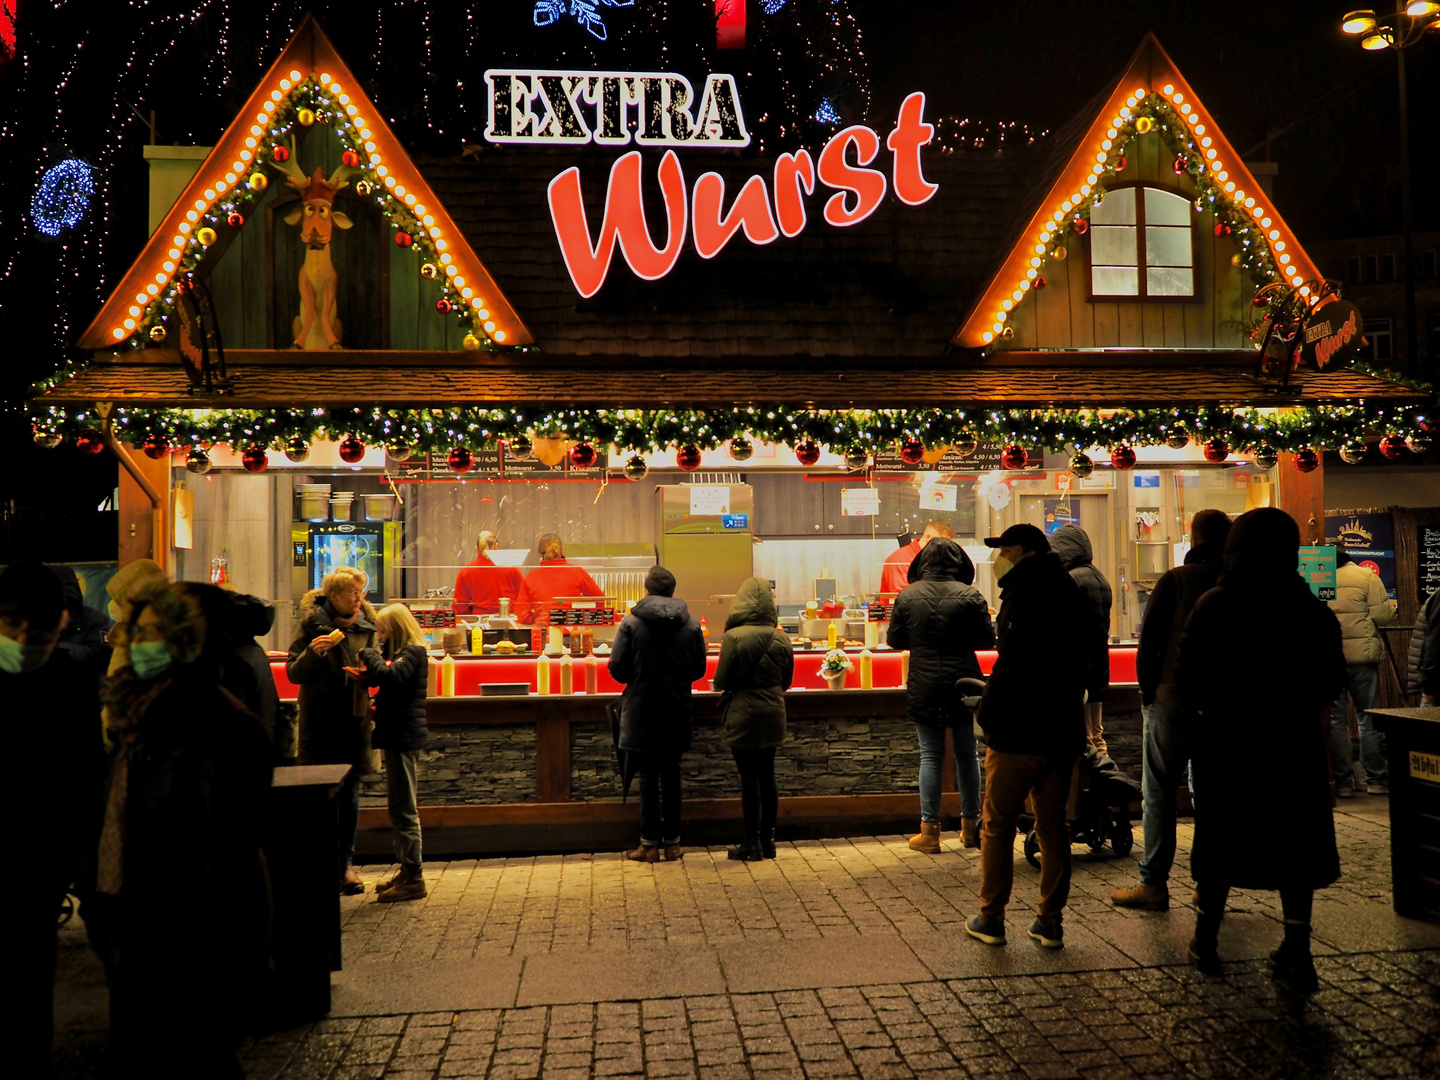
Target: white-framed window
<point>1141,245</point>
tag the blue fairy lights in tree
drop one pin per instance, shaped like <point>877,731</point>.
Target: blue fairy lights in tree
<point>586,12</point>
<point>826,113</point>
<point>62,197</point>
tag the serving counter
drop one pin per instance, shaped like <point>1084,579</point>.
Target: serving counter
<point>537,773</point>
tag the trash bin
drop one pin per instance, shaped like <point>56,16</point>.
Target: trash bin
<point>300,850</point>
<point>1412,738</point>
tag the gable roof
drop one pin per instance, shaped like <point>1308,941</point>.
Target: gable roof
<point>1080,148</point>
<point>308,53</point>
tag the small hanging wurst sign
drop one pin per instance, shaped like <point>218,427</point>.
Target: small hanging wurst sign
<point>1332,335</point>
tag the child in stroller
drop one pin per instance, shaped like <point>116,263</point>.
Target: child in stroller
<point>1103,807</point>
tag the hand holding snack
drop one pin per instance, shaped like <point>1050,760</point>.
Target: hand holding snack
<point>325,642</point>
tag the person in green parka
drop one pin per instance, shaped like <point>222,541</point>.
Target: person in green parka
<point>757,664</point>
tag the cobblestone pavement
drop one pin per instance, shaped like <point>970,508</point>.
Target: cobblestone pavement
<point>842,958</point>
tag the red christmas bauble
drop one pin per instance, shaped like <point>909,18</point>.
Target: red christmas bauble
<point>350,159</point>
<point>1040,282</point>
<point>912,451</point>
<point>1306,460</point>
<point>1081,226</point>
<point>807,451</point>
<point>583,455</point>
<point>1122,457</point>
<point>1120,163</point>
<point>404,239</point>
<point>1014,457</point>
<point>254,459</point>
<point>443,306</point>
<point>89,441</point>
<point>281,154</point>
<point>351,449</point>
<point>1216,451</point>
<point>155,447</point>
<point>688,458</point>
<point>1392,446</point>
<point>1221,229</point>
<point>1178,165</point>
<point>460,459</point>
<point>235,220</point>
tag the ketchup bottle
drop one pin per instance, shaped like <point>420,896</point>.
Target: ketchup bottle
<point>704,630</point>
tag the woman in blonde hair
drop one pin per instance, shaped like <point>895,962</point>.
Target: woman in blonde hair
<point>553,577</point>
<point>480,585</point>
<point>399,669</point>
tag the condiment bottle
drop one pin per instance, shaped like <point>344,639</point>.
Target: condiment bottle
<point>867,670</point>
<point>904,667</point>
<point>832,634</point>
<point>477,640</point>
<point>542,677</point>
<point>432,679</point>
<point>555,643</point>
<point>704,630</point>
<point>872,634</point>
<point>567,675</point>
<point>447,676</point>
<point>592,675</point>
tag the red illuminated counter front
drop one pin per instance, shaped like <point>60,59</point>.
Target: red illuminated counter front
<point>473,672</point>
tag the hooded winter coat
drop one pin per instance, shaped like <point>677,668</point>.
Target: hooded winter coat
<point>1361,606</point>
<point>400,701</point>
<point>942,620</point>
<point>334,708</point>
<point>658,654</point>
<point>1274,703</point>
<point>757,665</point>
<point>1423,669</point>
<point>247,669</point>
<point>1170,605</point>
<point>1072,544</point>
<point>1034,701</point>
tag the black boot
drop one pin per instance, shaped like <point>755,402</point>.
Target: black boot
<point>747,851</point>
<point>1291,965</point>
<point>767,843</point>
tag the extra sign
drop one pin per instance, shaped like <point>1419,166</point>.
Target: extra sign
<point>654,109</point>
<point>1332,335</point>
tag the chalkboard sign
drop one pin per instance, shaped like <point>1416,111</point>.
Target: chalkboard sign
<point>1428,579</point>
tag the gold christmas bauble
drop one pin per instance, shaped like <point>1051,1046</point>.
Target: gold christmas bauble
<point>258,181</point>
<point>206,236</point>
<point>157,334</point>
<point>471,342</point>
<point>1143,124</point>
<point>429,271</point>
<point>306,117</point>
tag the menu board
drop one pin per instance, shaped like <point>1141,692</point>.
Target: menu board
<point>1428,579</point>
<point>986,458</point>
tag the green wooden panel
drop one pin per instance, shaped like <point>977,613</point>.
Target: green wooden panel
<point>1052,308</point>
<point>404,298</point>
<point>1082,318</point>
<point>225,277</point>
<point>1175,324</point>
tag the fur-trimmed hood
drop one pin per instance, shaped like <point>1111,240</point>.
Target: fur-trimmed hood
<point>314,617</point>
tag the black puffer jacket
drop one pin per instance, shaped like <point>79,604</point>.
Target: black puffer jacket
<point>1423,669</point>
<point>942,620</point>
<point>1034,701</point>
<point>756,667</point>
<point>658,653</point>
<point>400,701</point>
<point>1072,544</point>
<point>334,708</point>
<point>247,670</point>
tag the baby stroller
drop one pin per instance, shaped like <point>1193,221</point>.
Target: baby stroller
<point>1103,806</point>
<point>1102,810</point>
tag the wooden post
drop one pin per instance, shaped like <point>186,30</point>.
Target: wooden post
<point>138,521</point>
<point>1302,496</point>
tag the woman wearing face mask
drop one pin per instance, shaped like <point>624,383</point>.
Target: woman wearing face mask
<point>400,732</point>
<point>184,800</point>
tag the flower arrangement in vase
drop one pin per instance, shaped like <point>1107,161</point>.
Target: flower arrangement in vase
<point>834,667</point>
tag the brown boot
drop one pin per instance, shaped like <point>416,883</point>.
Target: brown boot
<point>1142,898</point>
<point>970,832</point>
<point>408,885</point>
<point>644,853</point>
<point>672,852</point>
<point>928,839</point>
<point>350,883</point>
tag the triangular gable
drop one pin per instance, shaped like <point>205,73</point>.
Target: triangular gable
<point>308,55</point>
<point>1151,71</point>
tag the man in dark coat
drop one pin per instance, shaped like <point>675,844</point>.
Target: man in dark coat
<point>658,654</point>
<point>1033,714</point>
<point>1072,544</point>
<point>1423,669</point>
<point>54,743</point>
<point>1168,726</point>
<point>942,619</point>
<point>1278,705</point>
<point>336,622</point>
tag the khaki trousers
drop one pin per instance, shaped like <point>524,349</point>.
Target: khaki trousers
<point>1008,779</point>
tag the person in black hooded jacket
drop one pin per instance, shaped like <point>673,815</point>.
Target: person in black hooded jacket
<point>658,654</point>
<point>1072,544</point>
<point>1033,714</point>
<point>942,619</point>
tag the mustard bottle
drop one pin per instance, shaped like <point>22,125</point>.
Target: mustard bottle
<point>867,670</point>
<point>477,640</point>
<point>542,677</point>
<point>447,676</point>
<point>832,634</point>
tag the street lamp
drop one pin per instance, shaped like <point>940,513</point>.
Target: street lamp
<point>1399,31</point>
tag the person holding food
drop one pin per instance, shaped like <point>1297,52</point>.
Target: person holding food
<point>336,622</point>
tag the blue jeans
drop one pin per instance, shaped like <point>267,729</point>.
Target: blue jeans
<point>1362,683</point>
<point>967,770</point>
<point>1167,761</point>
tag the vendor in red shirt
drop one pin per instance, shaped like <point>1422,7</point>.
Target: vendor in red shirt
<point>553,577</point>
<point>894,575</point>
<point>480,585</point>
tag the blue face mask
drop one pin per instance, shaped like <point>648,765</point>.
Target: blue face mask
<point>16,658</point>
<point>150,658</point>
